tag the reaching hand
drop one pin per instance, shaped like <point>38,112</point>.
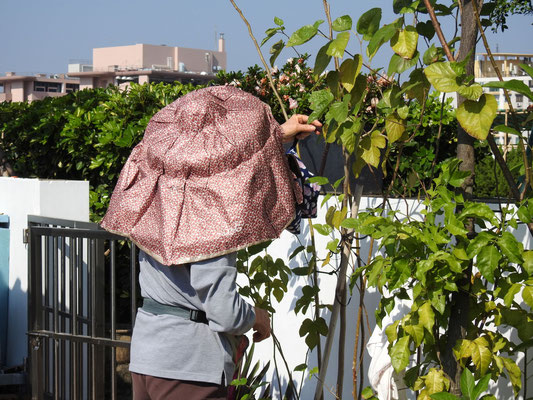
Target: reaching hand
<point>261,325</point>
<point>297,126</point>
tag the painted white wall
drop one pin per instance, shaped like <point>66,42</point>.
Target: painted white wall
<point>19,198</point>
<point>287,323</point>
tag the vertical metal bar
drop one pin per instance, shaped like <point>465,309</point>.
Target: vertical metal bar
<point>62,321</point>
<point>113,321</point>
<point>55,306</point>
<point>35,312</point>
<point>72,312</point>
<point>91,314</point>
<point>133,269</point>
<point>99,309</point>
<point>46,342</point>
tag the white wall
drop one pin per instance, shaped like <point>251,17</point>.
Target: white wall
<point>287,323</point>
<point>18,199</point>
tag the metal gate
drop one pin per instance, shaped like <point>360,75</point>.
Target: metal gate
<point>74,336</point>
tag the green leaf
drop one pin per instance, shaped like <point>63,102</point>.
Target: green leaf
<point>343,23</point>
<point>338,45</point>
<point>487,262</point>
<point>368,23</point>
<point>392,331</point>
<point>416,332</point>
<point>405,41</point>
<point>527,295</point>
<point>443,396</point>
<point>514,373</point>
<point>332,245</point>
<point>395,128</point>
<point>528,262</point>
<point>472,92</point>
<point>349,70</point>
<point>506,129</point>
<point>476,244</point>
<point>278,21</point>
<point>426,29</point>
<point>302,35</point>
<point>398,64</point>
<point>371,146</point>
<point>403,6</point>
<point>322,60</point>
<point>275,50</point>
<point>321,180</point>
<point>527,69</point>
<point>338,111</point>
<point>511,293</point>
<point>382,35</point>
<point>467,383</point>
<point>324,230</point>
<point>431,55</point>
<point>399,354</point>
<point>510,247</point>
<point>442,76</point>
<point>481,354</point>
<point>352,223</point>
<point>320,101</point>
<point>476,116</point>
<point>481,386</point>
<point>269,33</point>
<point>514,85</point>
<point>367,393</point>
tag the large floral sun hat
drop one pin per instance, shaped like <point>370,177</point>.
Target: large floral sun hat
<point>209,177</point>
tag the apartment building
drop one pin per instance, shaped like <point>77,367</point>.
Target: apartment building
<point>143,63</point>
<point>120,65</point>
<point>509,66</point>
<point>15,87</point>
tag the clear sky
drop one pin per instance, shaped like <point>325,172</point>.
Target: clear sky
<point>43,36</point>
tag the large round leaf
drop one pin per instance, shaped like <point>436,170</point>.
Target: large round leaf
<point>368,23</point>
<point>404,42</point>
<point>442,76</point>
<point>476,116</point>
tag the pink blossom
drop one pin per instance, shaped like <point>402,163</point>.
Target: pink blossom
<point>292,103</point>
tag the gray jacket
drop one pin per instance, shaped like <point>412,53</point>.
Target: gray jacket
<point>169,346</point>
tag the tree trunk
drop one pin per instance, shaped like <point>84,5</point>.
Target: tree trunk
<point>459,318</point>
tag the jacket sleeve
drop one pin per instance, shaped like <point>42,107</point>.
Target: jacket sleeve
<point>214,282</point>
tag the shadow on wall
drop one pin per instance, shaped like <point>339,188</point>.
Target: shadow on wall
<point>17,317</point>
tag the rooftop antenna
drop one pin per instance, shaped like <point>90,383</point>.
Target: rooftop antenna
<point>497,48</point>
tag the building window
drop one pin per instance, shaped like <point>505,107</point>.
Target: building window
<point>72,87</point>
<point>1,88</point>
<point>494,89</point>
<point>51,87</point>
<point>519,98</point>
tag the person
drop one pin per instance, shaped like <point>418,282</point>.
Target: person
<point>210,177</point>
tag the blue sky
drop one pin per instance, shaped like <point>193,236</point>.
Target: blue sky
<point>42,36</point>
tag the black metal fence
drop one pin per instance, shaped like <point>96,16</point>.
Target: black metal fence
<point>79,286</point>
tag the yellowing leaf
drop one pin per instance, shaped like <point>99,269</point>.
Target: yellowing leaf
<point>349,70</point>
<point>395,128</point>
<point>436,381</point>
<point>404,42</point>
<point>337,45</point>
<point>514,373</point>
<point>426,316</point>
<point>416,332</point>
<point>476,116</point>
<point>527,295</point>
<point>481,355</point>
<point>442,76</point>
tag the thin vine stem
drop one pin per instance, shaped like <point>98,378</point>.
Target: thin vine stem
<point>267,68</point>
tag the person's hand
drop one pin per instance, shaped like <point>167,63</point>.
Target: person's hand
<point>261,325</point>
<point>297,126</point>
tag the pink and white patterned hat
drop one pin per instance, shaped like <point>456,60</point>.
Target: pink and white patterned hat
<point>209,177</point>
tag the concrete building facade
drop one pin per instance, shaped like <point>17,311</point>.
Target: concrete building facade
<point>120,66</point>
<point>509,66</point>
<point>143,63</point>
<point>15,87</point>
